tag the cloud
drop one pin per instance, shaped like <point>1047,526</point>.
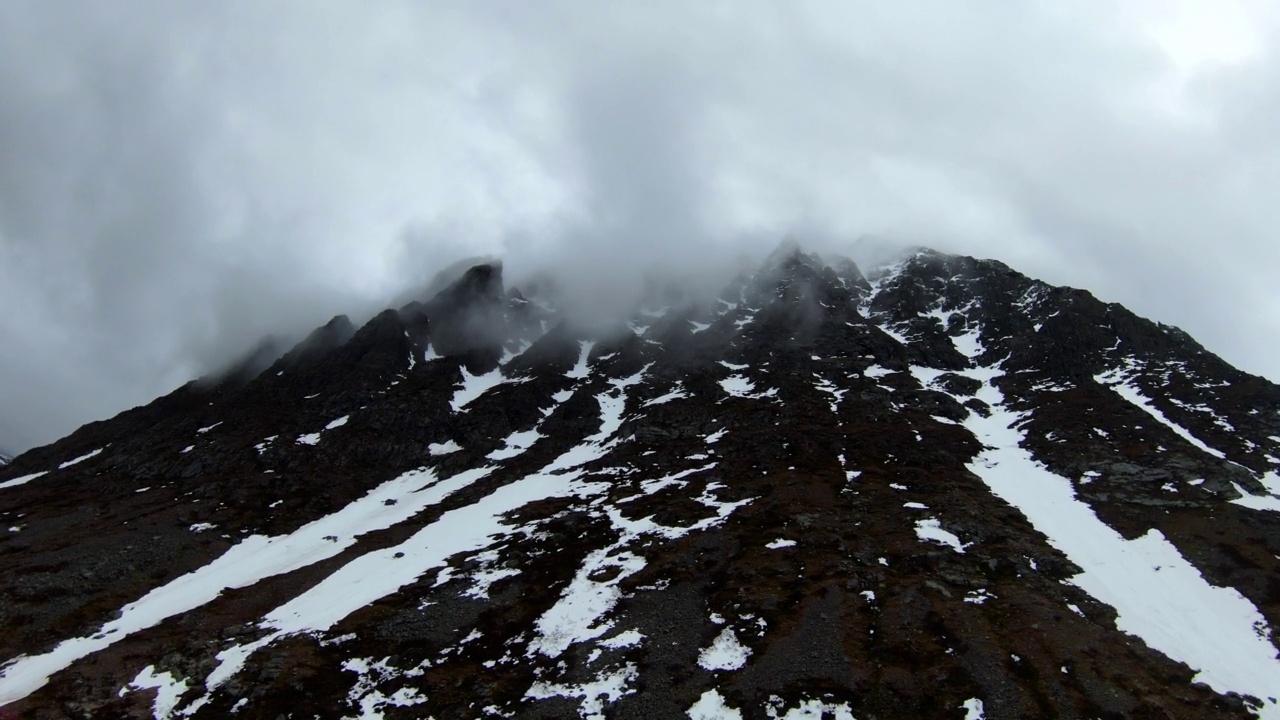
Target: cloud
<point>178,179</point>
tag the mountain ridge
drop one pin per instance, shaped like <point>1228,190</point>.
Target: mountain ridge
<point>835,465</point>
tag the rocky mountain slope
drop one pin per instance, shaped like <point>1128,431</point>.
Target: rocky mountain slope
<point>942,489</point>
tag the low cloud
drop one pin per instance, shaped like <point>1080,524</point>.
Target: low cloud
<point>179,179</point>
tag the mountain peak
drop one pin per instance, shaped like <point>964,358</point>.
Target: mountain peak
<point>944,490</point>
<point>876,254</point>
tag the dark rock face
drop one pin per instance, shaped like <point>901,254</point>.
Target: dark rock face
<point>880,495</point>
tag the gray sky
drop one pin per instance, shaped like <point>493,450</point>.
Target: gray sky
<point>179,178</point>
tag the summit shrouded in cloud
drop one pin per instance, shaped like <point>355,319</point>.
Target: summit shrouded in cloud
<point>930,488</point>
<point>180,179</point>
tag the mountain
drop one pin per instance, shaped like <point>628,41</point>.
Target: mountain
<point>936,489</point>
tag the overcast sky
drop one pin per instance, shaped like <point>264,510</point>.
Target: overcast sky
<point>179,178</point>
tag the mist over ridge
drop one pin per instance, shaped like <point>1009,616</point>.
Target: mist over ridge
<point>177,183</point>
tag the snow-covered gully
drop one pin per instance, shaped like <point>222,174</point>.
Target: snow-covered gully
<point>1159,596</point>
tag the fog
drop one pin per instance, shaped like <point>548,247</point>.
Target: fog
<point>178,179</point>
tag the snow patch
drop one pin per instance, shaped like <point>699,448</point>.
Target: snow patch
<point>1157,594</point>
<point>252,559</point>
<point>807,710</point>
<point>168,690</point>
<point>508,354</point>
<point>644,526</point>
<point>978,597</point>
<point>1256,502</point>
<point>740,386</point>
<point>380,573</point>
<point>444,448</point>
<point>711,706</point>
<point>737,386</point>
<point>925,375</point>
<point>22,480</point>
<point>1117,381</point>
<point>725,653</point>
<point>780,543</point>
<point>604,689</point>
<point>579,370</point>
<point>611,407</point>
<point>577,615</point>
<point>81,459</point>
<point>875,372</point>
<point>931,530</point>
<point>891,332</point>
<point>473,386</point>
<point>366,695</point>
<point>629,638</point>
<point>515,444</point>
<point>675,394</point>
<point>828,387</point>
<point>649,487</point>
<point>969,344</point>
<point>485,578</point>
